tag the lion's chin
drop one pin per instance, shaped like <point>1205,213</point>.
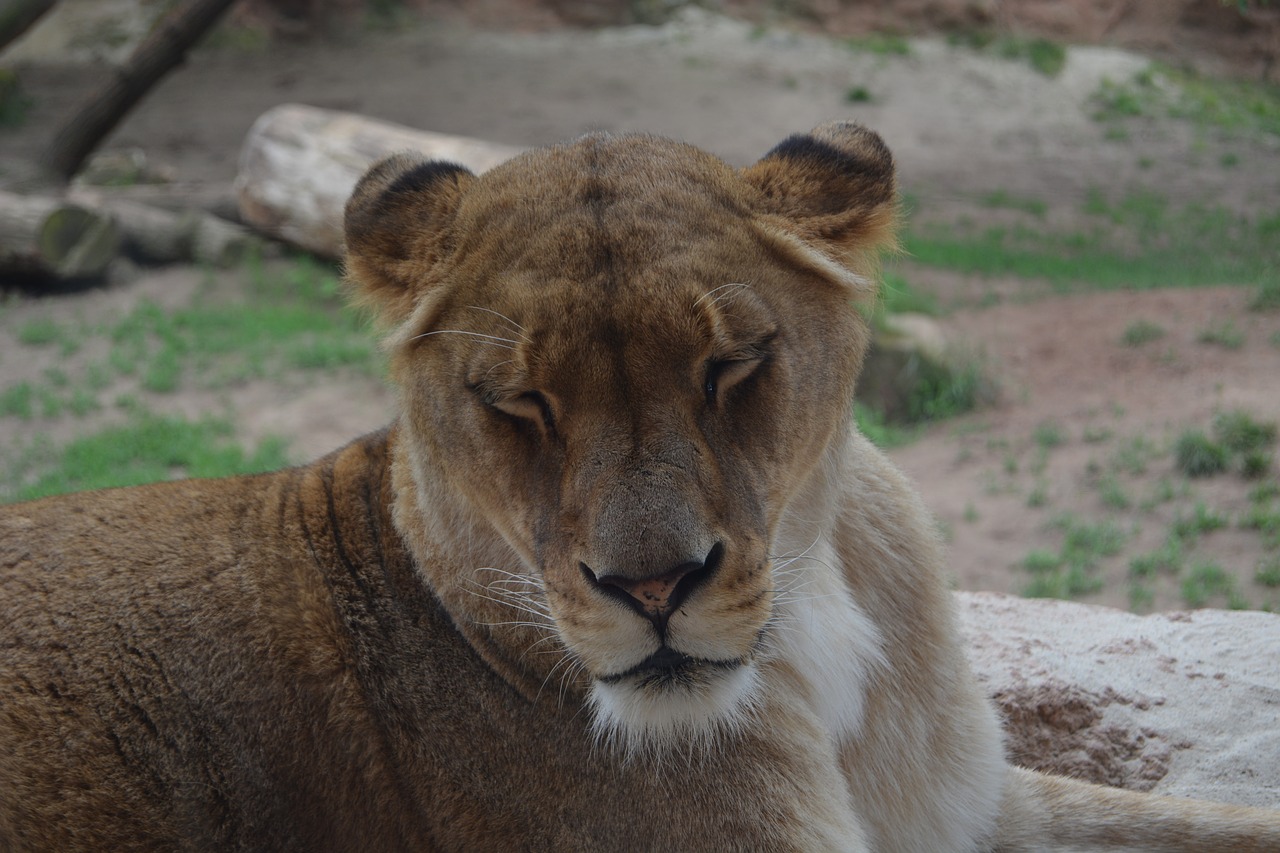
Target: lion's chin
<point>652,709</point>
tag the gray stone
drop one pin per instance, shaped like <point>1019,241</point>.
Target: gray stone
<point>1186,704</point>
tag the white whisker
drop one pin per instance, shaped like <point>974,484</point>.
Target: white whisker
<point>492,340</point>
<point>516,327</point>
<point>711,294</point>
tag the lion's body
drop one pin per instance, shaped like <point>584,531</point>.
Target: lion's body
<point>270,674</point>
<point>622,576</point>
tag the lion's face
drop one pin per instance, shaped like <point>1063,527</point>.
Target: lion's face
<point>626,358</point>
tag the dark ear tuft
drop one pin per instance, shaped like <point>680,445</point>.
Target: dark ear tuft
<point>834,186</point>
<point>398,225</point>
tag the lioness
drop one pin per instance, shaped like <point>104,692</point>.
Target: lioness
<point>621,576</point>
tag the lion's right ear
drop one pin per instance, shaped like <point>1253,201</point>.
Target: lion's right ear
<point>399,225</point>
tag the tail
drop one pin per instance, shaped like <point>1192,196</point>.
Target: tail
<point>1041,812</point>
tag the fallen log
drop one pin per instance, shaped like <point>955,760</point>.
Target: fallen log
<point>49,236</point>
<point>299,164</point>
<point>154,235</point>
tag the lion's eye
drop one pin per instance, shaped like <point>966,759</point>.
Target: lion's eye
<point>723,374</point>
<point>531,405</point>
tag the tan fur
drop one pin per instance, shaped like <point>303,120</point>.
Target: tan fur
<point>623,366</point>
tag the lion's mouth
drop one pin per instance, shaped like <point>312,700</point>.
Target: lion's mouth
<point>667,667</point>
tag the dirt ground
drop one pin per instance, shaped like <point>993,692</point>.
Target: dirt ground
<point>962,126</point>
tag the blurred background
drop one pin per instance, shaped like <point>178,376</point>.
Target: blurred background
<point>1078,351</point>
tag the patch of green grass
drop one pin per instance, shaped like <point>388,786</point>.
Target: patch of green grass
<point>882,434</point>
<point>880,44</point>
<point>1268,573</point>
<point>1205,581</point>
<point>39,332</point>
<point>1140,598</point>
<point>1191,247</point>
<point>292,320</point>
<point>1267,297</point>
<point>1238,432</point>
<point>1196,455</point>
<point>1048,434</point>
<point>148,449</point>
<point>1202,520</point>
<point>1047,57</point>
<point>1141,332</point>
<point>1134,454</point>
<point>1223,334</point>
<point>1236,107</point>
<point>1113,494</point>
<point>1167,559</point>
<point>1264,518</point>
<point>946,393</point>
<point>18,401</point>
<point>1070,572</point>
<point>858,95</point>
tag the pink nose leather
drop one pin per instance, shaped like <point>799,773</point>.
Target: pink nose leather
<point>653,594</point>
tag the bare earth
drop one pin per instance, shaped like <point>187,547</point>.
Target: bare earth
<point>962,125</point>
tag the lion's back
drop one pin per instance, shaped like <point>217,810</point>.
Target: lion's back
<point>168,650</point>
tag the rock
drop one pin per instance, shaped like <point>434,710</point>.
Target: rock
<point>907,351</point>
<point>1186,704</point>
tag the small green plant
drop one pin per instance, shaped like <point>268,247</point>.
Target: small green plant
<point>882,434</point>
<point>1134,454</point>
<point>1224,334</point>
<point>880,44</point>
<point>942,393</point>
<point>1264,518</point>
<point>1141,332</point>
<point>1196,455</point>
<point>1140,598</point>
<point>857,95</point>
<point>39,332</point>
<point>1048,434</point>
<point>1238,432</point>
<point>1206,580</point>
<point>18,401</point>
<point>1202,520</point>
<point>1071,571</point>
<point>1267,296</point>
<point>1113,494</point>
<point>1268,573</point>
<point>1039,496</point>
<point>1167,559</point>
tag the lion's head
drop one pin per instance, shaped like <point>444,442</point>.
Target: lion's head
<point>620,361</point>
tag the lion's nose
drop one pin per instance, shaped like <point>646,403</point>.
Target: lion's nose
<point>656,597</point>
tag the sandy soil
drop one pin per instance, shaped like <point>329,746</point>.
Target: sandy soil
<point>961,124</point>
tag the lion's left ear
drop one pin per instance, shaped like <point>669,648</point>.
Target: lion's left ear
<point>399,226</point>
<point>833,188</point>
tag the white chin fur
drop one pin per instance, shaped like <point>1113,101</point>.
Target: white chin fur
<point>642,718</point>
